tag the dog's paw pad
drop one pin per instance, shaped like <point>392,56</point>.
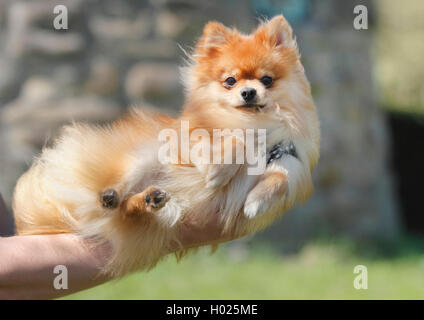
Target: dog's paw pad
<point>156,198</point>
<point>109,199</point>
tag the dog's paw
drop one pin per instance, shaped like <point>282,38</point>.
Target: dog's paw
<point>150,200</point>
<point>255,207</point>
<point>270,192</point>
<point>155,198</point>
<point>109,199</point>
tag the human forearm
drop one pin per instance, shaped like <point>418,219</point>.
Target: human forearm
<point>27,264</point>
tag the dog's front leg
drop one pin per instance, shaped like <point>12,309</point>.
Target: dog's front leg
<point>225,163</point>
<point>268,191</point>
<point>286,180</point>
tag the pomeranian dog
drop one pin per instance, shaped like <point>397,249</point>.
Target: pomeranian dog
<point>108,183</point>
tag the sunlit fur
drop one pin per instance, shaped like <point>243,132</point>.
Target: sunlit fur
<point>60,192</point>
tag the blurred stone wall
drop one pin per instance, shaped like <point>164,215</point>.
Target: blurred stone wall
<point>400,52</point>
<point>354,194</point>
<point>119,53</point>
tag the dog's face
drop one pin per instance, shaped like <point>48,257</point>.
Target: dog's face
<point>252,81</point>
<point>247,73</point>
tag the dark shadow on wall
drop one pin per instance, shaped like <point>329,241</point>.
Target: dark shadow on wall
<point>407,161</point>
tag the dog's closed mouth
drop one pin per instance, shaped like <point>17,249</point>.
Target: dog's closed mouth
<point>252,106</point>
<point>280,149</point>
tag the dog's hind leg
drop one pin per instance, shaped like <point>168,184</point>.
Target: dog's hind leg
<point>150,200</point>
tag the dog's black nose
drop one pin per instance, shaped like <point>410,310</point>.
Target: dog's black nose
<point>248,94</point>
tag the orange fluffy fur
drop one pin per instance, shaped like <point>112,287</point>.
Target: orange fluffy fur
<point>60,192</point>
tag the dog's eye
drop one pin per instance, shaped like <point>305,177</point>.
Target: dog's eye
<point>267,81</point>
<point>230,81</point>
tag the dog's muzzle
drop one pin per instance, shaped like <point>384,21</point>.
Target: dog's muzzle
<point>280,149</point>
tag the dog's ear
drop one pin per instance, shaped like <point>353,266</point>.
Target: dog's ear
<point>276,32</point>
<point>214,35</point>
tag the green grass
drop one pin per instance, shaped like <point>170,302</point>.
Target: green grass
<point>319,271</point>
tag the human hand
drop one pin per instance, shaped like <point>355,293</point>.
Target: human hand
<point>27,262</point>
